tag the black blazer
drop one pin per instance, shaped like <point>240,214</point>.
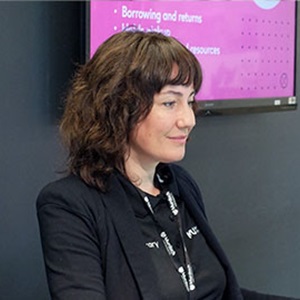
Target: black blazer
<point>93,246</point>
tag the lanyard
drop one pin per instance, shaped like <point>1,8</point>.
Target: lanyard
<point>186,272</point>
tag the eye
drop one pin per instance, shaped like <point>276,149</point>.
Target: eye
<point>191,102</point>
<point>169,103</point>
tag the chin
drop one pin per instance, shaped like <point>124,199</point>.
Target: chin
<point>174,158</point>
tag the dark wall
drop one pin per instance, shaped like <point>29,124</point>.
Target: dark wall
<point>39,44</point>
<point>247,166</point>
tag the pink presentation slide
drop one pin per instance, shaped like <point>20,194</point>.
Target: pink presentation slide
<point>246,48</point>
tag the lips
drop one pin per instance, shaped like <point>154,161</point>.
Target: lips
<point>180,138</point>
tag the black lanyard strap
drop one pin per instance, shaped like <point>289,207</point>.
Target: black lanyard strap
<point>185,270</point>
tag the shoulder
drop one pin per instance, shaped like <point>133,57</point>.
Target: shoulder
<point>68,184</point>
<point>69,193</point>
<point>187,186</point>
<point>179,171</point>
<point>179,179</point>
<point>183,177</point>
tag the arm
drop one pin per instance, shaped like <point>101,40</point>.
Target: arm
<point>70,246</point>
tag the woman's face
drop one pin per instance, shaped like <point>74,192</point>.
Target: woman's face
<point>162,135</point>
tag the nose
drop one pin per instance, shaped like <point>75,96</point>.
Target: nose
<point>186,117</point>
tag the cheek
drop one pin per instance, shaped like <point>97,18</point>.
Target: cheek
<point>146,128</point>
<point>146,135</point>
<point>141,135</point>
<point>150,129</point>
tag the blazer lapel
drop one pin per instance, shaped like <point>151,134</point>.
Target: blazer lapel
<point>131,238</point>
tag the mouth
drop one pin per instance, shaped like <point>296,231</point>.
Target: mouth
<point>182,139</point>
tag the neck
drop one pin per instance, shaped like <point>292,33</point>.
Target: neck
<point>142,176</point>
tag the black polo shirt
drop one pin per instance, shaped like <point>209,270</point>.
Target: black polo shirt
<point>209,275</point>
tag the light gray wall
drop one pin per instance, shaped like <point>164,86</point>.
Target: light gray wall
<point>247,166</point>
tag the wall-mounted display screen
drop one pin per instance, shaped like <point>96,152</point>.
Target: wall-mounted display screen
<point>247,49</point>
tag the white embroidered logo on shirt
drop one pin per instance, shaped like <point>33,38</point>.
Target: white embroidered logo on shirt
<point>192,232</point>
<point>152,245</point>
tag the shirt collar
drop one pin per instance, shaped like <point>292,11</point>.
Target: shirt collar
<point>164,180</point>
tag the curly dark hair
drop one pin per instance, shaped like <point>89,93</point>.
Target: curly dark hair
<point>114,91</point>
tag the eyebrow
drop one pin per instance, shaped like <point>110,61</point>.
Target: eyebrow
<point>172,92</point>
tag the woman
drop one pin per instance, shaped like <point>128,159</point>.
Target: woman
<point>126,223</point>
